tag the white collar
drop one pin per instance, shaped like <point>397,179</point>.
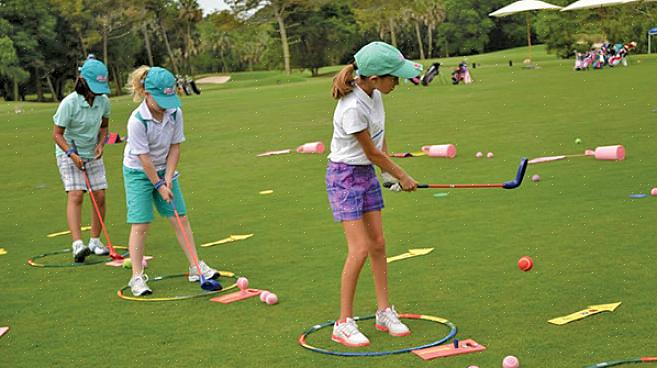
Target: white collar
<point>146,113</point>
<point>363,97</point>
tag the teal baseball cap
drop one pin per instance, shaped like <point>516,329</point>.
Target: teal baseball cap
<point>94,72</point>
<point>379,58</point>
<point>161,84</point>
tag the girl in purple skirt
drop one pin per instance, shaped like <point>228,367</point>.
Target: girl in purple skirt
<point>353,189</point>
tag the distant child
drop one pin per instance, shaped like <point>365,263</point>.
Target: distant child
<point>353,189</point>
<point>150,158</point>
<point>83,117</point>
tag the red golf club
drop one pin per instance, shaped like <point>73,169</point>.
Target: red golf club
<point>113,253</point>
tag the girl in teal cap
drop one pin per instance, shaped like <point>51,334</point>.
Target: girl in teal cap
<point>353,190</point>
<point>150,158</point>
<point>83,117</point>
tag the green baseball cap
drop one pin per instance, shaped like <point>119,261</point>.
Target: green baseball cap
<point>379,58</point>
<point>94,72</point>
<point>161,84</point>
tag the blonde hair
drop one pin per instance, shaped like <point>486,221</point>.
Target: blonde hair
<point>136,83</point>
<point>343,82</point>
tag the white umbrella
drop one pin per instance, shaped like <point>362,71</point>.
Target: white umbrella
<point>594,4</point>
<point>524,6</point>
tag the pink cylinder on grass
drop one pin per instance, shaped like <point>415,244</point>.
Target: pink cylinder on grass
<point>441,150</point>
<point>312,147</point>
<point>610,153</point>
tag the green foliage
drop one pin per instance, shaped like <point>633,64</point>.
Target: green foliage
<point>466,28</point>
<point>324,34</point>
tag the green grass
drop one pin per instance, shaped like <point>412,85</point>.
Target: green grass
<point>591,244</point>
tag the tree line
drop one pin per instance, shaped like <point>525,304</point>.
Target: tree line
<point>42,42</point>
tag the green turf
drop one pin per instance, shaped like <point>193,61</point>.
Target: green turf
<point>591,243</point>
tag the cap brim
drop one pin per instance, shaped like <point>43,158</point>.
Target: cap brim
<point>167,102</point>
<point>97,87</point>
<point>408,70</point>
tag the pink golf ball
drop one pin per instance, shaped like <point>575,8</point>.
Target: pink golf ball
<point>242,283</point>
<point>479,155</point>
<point>473,366</point>
<point>510,362</point>
<point>271,299</point>
<point>490,155</point>
<point>536,177</point>
<point>653,192</point>
<point>264,295</point>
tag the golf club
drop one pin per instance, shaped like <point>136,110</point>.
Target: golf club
<point>511,184</point>
<point>113,253</point>
<point>206,284</point>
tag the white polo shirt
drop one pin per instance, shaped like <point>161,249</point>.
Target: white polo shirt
<point>354,113</point>
<point>152,137</point>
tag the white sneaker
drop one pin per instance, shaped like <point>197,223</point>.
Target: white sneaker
<point>208,272</point>
<point>138,285</point>
<point>387,320</point>
<point>347,334</point>
<point>98,248</point>
<point>80,251</point>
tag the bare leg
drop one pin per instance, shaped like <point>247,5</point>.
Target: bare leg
<point>137,245</point>
<point>95,222</point>
<point>357,242</point>
<point>73,213</point>
<point>181,239</point>
<point>378,261</point>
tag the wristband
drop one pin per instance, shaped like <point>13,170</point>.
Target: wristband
<point>71,151</point>
<point>159,184</point>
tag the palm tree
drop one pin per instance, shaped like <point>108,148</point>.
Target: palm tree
<point>190,13</point>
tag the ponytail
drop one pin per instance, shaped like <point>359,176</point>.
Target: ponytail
<point>343,81</point>
<point>136,83</point>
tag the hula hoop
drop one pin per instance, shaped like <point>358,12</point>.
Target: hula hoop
<point>121,293</point>
<point>451,334</point>
<point>102,259</point>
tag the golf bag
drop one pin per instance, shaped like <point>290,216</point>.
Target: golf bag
<point>186,85</point>
<point>433,71</point>
<point>583,60</point>
<point>621,54</point>
<point>461,74</point>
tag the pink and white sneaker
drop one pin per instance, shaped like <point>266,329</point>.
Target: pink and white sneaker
<point>387,320</point>
<point>347,334</point>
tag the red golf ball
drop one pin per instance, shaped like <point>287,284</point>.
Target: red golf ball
<point>525,263</point>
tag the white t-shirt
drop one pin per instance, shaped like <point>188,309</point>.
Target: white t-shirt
<point>354,113</point>
<point>153,137</point>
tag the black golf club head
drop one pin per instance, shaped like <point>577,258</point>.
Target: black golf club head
<point>210,285</point>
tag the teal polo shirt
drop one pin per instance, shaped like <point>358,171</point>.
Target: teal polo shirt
<point>81,122</point>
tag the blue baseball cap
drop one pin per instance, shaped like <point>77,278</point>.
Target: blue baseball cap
<point>379,58</point>
<point>161,84</point>
<point>94,72</point>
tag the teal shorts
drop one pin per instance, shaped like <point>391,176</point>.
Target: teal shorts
<point>141,195</point>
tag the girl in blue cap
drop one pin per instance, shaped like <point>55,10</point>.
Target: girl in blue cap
<point>83,117</point>
<point>353,190</point>
<point>150,158</point>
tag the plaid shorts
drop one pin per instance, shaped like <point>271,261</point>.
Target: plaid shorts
<point>352,190</point>
<point>74,180</point>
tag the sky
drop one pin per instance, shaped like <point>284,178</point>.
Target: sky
<point>209,6</point>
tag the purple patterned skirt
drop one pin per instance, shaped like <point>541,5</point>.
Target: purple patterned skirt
<point>352,190</point>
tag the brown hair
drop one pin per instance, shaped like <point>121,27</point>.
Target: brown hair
<point>343,82</point>
<point>136,83</point>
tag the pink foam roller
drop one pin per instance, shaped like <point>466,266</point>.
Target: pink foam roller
<point>441,150</point>
<point>312,147</point>
<point>610,153</point>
